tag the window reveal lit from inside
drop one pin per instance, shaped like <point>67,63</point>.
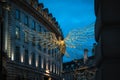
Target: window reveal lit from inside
<point>22,58</point>
<point>36,63</point>
<point>30,61</point>
<point>12,58</point>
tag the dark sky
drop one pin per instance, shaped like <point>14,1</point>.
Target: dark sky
<point>71,14</point>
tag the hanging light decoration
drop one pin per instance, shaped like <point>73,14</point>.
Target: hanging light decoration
<point>74,39</point>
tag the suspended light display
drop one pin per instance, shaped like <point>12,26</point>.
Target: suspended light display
<point>74,40</point>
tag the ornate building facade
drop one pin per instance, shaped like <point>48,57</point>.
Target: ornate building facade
<point>24,61</point>
<point>78,70</point>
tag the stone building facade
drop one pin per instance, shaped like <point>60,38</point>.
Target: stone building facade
<point>24,62</point>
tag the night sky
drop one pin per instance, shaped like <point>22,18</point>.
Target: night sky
<point>71,14</point>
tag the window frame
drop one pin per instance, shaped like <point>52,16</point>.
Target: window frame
<point>26,37</point>
<point>17,14</point>
<point>17,32</point>
<point>26,20</point>
<point>33,25</point>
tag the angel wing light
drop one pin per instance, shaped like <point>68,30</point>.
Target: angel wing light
<point>75,39</point>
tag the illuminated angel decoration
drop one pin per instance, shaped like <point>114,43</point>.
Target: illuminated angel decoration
<point>78,36</point>
<point>74,39</point>
<point>79,39</point>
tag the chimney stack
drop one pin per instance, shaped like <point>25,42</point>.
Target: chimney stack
<point>85,55</point>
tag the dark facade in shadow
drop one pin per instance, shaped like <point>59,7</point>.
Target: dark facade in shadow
<point>107,35</point>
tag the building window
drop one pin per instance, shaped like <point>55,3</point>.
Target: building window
<point>40,28</point>
<point>26,20</point>
<point>33,25</point>
<point>39,47</point>
<point>17,14</point>
<point>35,4</point>
<point>26,36</point>
<point>17,54</point>
<point>48,52</point>
<point>52,67</point>
<point>32,2</point>
<point>44,63</point>
<point>26,57</point>
<point>49,64</point>
<point>45,30</point>
<point>53,53</point>
<point>72,67</point>
<point>44,50</point>
<point>39,61</point>
<point>39,44</point>
<point>33,59</point>
<point>17,33</point>
<point>33,41</point>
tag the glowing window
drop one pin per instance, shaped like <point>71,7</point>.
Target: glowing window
<point>17,33</point>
